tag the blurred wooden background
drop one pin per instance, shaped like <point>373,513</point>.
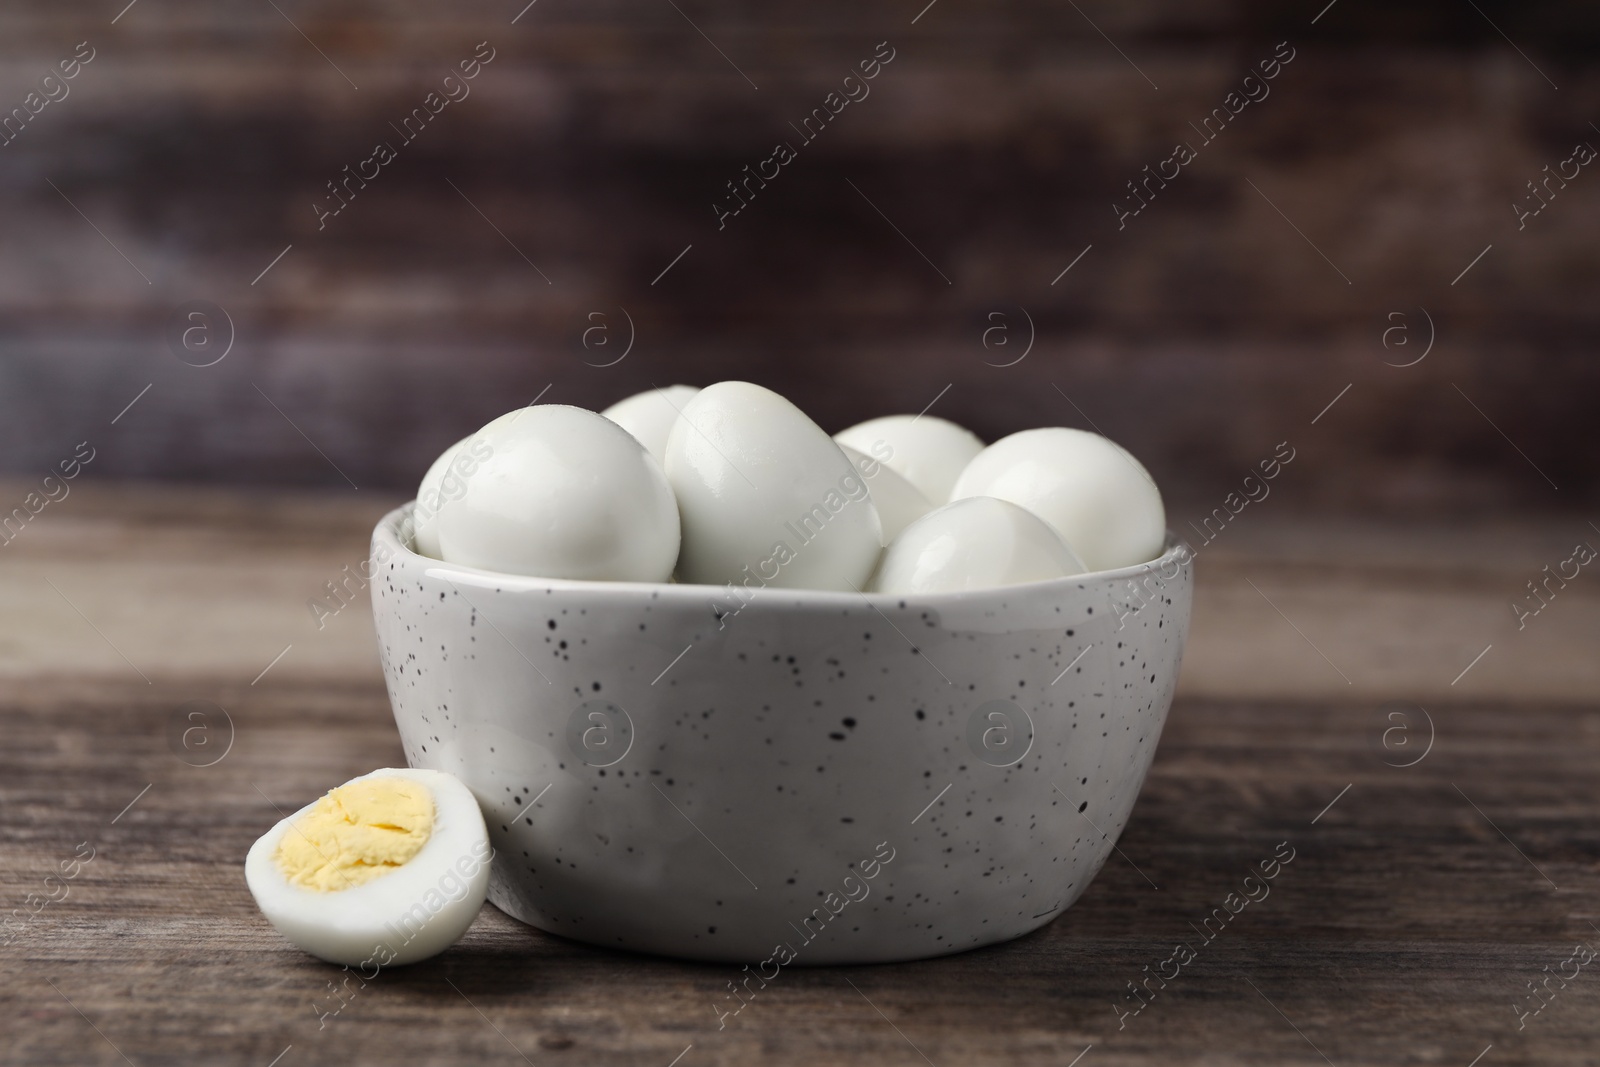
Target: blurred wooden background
<point>460,282</point>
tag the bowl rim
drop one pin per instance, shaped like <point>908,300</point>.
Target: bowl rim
<point>1174,549</point>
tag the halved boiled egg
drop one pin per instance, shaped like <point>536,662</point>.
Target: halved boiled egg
<point>387,869</point>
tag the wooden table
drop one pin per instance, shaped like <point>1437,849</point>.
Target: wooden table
<point>1420,901</point>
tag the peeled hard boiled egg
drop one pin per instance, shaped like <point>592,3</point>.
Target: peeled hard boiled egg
<point>564,493</point>
<point>766,495</point>
<point>1089,488</point>
<point>389,868</point>
<point>976,543</point>
<point>649,415</point>
<point>445,481</point>
<point>897,500</point>
<point>927,451</point>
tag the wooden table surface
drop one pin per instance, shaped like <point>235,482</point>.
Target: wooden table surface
<point>1420,903</point>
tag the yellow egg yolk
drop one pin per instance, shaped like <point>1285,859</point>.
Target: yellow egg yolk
<point>355,833</point>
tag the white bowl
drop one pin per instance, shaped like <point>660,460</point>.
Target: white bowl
<point>859,778</point>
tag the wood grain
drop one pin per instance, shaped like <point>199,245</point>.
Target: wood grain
<point>147,581</point>
<point>1403,930</point>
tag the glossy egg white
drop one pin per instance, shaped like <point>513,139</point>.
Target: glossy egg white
<point>925,450</point>
<point>649,415</point>
<point>415,911</point>
<point>766,497</point>
<point>898,502</point>
<point>1088,487</point>
<point>976,543</point>
<point>446,481</point>
<point>564,493</point>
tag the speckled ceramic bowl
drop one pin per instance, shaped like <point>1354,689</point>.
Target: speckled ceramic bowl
<point>804,778</point>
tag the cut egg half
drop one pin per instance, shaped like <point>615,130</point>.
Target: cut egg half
<point>387,869</point>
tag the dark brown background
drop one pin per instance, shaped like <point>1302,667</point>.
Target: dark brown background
<point>1427,897</point>
<point>997,140</point>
